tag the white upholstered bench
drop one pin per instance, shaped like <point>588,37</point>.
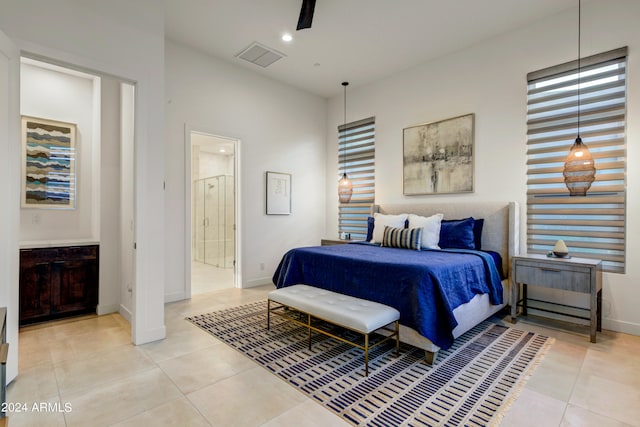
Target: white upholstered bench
<point>356,314</point>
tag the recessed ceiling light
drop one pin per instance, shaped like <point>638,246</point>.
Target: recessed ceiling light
<point>287,37</point>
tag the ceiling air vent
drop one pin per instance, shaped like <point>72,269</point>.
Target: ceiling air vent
<point>260,55</point>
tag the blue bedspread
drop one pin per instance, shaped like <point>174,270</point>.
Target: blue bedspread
<point>425,286</point>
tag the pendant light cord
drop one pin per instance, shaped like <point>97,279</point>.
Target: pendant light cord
<point>579,69</point>
<point>344,131</point>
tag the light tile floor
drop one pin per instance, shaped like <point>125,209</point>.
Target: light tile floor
<point>206,278</point>
<point>191,379</point>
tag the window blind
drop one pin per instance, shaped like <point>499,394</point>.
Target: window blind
<point>356,157</point>
<point>592,226</point>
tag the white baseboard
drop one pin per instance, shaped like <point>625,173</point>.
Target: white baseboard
<point>175,296</point>
<point>125,312</point>
<point>106,309</point>
<point>261,281</point>
<point>150,335</point>
<point>621,326</point>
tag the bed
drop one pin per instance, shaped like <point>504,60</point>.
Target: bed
<point>441,294</point>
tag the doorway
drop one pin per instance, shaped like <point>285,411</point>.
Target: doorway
<point>213,212</point>
<point>101,109</point>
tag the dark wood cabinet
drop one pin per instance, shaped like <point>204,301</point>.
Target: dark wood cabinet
<point>35,289</point>
<point>58,282</point>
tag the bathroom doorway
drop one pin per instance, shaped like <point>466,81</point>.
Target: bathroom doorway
<point>213,212</point>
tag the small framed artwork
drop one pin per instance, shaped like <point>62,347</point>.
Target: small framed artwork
<point>438,157</point>
<point>48,164</point>
<point>278,193</point>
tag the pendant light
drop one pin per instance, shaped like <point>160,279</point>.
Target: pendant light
<point>345,187</point>
<point>579,168</point>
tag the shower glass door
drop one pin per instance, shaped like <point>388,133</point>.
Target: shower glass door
<point>214,217</point>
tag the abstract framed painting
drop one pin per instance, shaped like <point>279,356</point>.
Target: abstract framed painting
<point>49,164</point>
<point>438,157</point>
<point>278,193</point>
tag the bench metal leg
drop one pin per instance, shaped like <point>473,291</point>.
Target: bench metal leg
<point>397,338</point>
<point>366,355</point>
<point>309,329</point>
<point>298,319</point>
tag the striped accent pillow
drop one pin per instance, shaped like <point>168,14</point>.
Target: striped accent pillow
<point>406,238</point>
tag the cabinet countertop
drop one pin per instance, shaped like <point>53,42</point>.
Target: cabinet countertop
<point>34,244</point>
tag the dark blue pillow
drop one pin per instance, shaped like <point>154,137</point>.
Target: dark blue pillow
<point>477,232</point>
<point>370,222</point>
<point>457,234</point>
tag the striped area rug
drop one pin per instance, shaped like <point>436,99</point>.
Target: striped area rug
<point>472,383</point>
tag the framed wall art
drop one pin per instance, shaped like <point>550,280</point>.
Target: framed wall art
<point>278,193</point>
<point>438,157</point>
<point>48,164</point>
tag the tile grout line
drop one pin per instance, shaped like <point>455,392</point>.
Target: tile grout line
<point>179,390</point>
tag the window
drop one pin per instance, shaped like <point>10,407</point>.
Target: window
<point>356,156</point>
<point>592,226</point>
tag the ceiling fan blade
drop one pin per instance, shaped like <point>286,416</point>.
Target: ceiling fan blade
<point>306,14</point>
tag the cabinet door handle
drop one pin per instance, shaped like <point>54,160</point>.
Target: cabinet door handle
<point>550,270</point>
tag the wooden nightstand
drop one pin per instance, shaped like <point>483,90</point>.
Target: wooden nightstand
<point>567,274</point>
<point>331,242</point>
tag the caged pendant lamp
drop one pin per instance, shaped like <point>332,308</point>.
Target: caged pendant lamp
<point>579,168</point>
<point>345,187</point>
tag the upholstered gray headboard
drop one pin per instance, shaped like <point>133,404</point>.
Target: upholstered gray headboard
<point>501,228</point>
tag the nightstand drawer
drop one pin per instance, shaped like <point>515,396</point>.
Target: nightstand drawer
<point>554,276</point>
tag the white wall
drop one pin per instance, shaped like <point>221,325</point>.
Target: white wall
<point>490,80</point>
<point>280,129</point>
<point>56,95</point>
<point>124,39</point>
<point>212,164</point>
<point>10,187</point>
<point>127,196</point>
<point>109,200</point>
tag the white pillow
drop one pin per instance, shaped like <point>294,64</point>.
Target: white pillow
<point>380,220</point>
<point>431,229</point>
